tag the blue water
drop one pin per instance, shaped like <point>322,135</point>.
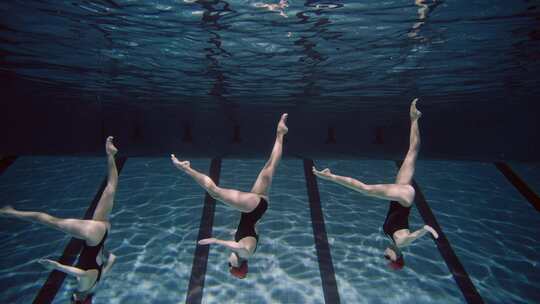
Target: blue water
<point>491,226</point>
<point>530,173</point>
<point>150,72</point>
<point>156,216</point>
<point>163,50</point>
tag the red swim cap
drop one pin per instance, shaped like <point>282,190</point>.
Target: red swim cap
<point>240,271</point>
<point>397,264</point>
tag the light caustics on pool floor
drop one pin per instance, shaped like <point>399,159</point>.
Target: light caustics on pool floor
<point>490,226</point>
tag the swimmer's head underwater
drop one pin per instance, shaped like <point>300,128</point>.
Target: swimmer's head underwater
<point>395,258</point>
<point>238,267</point>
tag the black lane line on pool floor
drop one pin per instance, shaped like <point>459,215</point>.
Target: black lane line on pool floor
<point>6,162</point>
<point>459,273</point>
<point>200,258</point>
<point>326,266</point>
<point>520,184</point>
<point>51,287</point>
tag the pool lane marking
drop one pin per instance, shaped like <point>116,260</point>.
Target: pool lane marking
<point>51,287</point>
<point>200,258</point>
<point>5,162</point>
<point>453,263</point>
<point>326,267</point>
<point>520,184</point>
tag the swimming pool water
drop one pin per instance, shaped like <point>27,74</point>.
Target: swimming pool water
<point>142,50</point>
<point>157,214</point>
<point>491,226</point>
<point>530,173</point>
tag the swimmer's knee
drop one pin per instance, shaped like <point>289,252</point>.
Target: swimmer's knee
<point>214,195</point>
<point>367,188</point>
<point>110,189</point>
<point>46,218</point>
<point>211,187</point>
<point>213,190</point>
<point>94,231</point>
<point>408,194</point>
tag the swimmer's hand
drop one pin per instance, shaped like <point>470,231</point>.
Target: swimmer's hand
<point>207,241</point>
<point>112,257</point>
<point>108,265</point>
<point>324,174</point>
<point>432,231</point>
<point>49,264</point>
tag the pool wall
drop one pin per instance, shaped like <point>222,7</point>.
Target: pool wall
<point>466,127</point>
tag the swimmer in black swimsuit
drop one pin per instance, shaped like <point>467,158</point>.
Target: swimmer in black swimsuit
<point>252,204</point>
<point>401,195</point>
<point>93,264</point>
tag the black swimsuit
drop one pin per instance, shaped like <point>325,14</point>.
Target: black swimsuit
<point>87,261</point>
<point>87,258</point>
<point>246,227</point>
<point>396,219</point>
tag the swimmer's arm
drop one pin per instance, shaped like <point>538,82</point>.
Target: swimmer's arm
<point>74,271</point>
<point>234,246</point>
<point>110,262</point>
<point>416,235</point>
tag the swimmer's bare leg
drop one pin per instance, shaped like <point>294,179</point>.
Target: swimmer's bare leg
<point>242,201</point>
<point>406,172</point>
<point>89,230</point>
<point>105,204</point>
<point>401,191</point>
<point>264,180</point>
<point>404,194</point>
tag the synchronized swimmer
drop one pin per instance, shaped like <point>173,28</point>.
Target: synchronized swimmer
<point>252,204</point>
<point>93,263</point>
<point>401,194</point>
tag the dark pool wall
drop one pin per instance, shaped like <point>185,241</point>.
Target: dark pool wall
<point>36,120</point>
